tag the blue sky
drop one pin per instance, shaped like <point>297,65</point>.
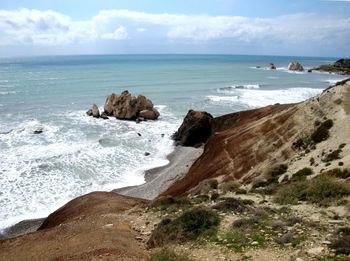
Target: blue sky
<point>300,27</point>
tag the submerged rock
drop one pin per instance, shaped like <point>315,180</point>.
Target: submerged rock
<point>38,131</point>
<point>194,129</point>
<point>295,66</point>
<point>271,66</point>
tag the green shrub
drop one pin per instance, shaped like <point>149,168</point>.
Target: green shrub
<point>230,204</point>
<point>324,187</point>
<point>189,226</point>
<point>322,131</point>
<point>338,173</point>
<point>291,193</point>
<point>230,186</point>
<point>302,174</point>
<point>317,190</point>
<point>214,196</point>
<point>320,134</point>
<point>334,155</point>
<point>327,124</point>
<point>213,183</point>
<point>165,203</point>
<point>277,170</point>
<point>166,254</point>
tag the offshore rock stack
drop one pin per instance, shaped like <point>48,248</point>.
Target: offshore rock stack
<point>126,107</point>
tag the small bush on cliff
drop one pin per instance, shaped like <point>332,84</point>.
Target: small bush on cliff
<point>322,189</point>
<point>230,186</point>
<point>322,131</point>
<point>168,203</point>
<point>334,155</point>
<point>341,245</point>
<point>166,254</point>
<point>338,173</point>
<point>302,174</point>
<point>189,226</point>
<point>231,204</point>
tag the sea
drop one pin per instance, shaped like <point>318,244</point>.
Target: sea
<point>76,154</point>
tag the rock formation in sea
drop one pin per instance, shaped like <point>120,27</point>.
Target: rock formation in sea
<point>126,107</point>
<point>295,66</point>
<point>271,66</point>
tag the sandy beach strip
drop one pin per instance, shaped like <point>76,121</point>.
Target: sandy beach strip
<point>159,179</point>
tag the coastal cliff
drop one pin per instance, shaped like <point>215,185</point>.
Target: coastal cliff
<point>271,184</point>
<point>244,145</point>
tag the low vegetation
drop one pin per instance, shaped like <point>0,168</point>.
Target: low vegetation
<point>320,190</point>
<point>322,131</point>
<point>189,226</point>
<point>338,173</point>
<point>302,174</point>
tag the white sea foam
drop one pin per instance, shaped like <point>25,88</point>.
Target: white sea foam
<point>7,92</point>
<point>259,98</point>
<point>230,89</point>
<point>75,154</point>
<point>285,69</point>
<point>333,81</point>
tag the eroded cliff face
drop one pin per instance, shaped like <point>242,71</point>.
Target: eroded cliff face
<point>245,144</point>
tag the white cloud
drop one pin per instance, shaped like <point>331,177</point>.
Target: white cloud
<point>119,34</point>
<point>50,28</point>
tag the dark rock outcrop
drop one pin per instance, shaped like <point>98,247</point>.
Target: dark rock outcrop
<point>295,66</point>
<point>89,112</point>
<point>104,116</point>
<point>341,66</point>
<point>195,129</point>
<point>128,107</point>
<point>271,66</point>
<point>38,131</point>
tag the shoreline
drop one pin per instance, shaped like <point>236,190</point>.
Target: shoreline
<point>160,178</point>
<point>157,180</point>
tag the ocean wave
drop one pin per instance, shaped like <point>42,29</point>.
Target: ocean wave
<point>229,89</point>
<point>333,81</point>
<point>285,69</point>
<point>7,92</point>
<point>258,98</point>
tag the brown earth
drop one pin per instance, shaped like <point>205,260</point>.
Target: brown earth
<point>87,228</point>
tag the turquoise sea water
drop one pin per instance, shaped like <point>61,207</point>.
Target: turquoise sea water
<point>77,154</point>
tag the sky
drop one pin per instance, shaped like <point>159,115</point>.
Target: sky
<point>265,27</point>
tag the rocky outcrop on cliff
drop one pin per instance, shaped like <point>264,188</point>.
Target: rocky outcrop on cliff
<point>244,145</point>
<point>195,129</point>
